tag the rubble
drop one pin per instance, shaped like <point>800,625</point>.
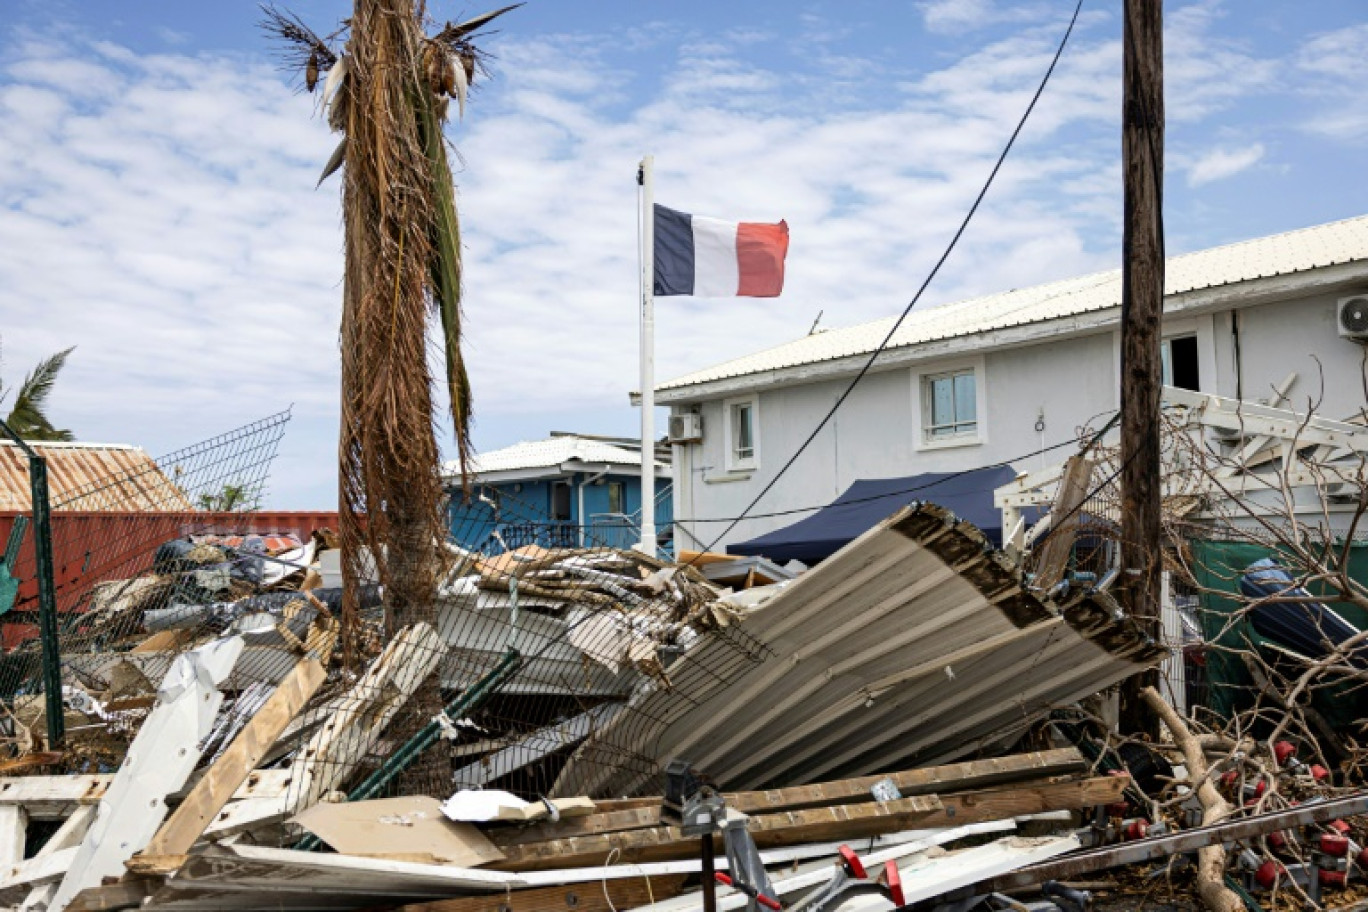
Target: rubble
<point>882,730</point>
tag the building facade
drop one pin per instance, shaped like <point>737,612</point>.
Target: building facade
<point>999,379</point>
<point>566,491</point>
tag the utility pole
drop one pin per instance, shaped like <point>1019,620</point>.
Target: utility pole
<point>1142,307</point>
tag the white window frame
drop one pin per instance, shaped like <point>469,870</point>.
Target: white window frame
<point>921,404</point>
<point>731,460</point>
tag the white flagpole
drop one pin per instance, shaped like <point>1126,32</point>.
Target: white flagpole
<point>648,529</point>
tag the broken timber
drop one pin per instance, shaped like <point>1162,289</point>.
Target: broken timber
<point>818,824</point>
<point>159,761</point>
<point>359,717</point>
<point>217,786</point>
<point>637,813</point>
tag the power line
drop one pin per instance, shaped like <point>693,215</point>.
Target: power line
<point>959,232</point>
<point>949,476</point>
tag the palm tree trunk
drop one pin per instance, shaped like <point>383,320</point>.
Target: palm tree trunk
<point>390,486</point>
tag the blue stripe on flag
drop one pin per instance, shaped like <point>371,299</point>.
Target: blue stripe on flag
<point>674,252</point>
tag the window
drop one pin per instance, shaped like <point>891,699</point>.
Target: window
<point>951,405</point>
<point>1179,357</point>
<point>617,499</point>
<point>560,500</point>
<point>741,433</point>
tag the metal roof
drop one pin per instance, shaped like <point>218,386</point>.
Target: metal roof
<point>1280,254</point>
<point>915,644</point>
<point>99,477</point>
<point>552,453</point>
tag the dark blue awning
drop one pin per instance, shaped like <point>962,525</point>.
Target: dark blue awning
<point>969,495</point>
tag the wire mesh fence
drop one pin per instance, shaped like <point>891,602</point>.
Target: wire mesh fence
<point>547,637</point>
<point>140,549</point>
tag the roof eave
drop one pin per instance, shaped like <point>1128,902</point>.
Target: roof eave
<point>1248,293</point>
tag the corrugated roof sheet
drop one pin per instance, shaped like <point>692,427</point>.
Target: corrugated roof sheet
<point>95,477</point>
<point>1280,254</point>
<point>550,453</point>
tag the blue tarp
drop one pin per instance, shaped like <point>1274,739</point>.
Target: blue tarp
<point>868,501</point>
<point>1309,628</point>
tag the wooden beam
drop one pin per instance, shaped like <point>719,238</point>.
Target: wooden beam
<point>1052,560</point>
<point>333,752</point>
<point>645,812</point>
<point>218,784</point>
<point>13,829</point>
<point>663,842</point>
<point>626,893</point>
<point>17,879</point>
<point>71,832</point>
<point>819,824</point>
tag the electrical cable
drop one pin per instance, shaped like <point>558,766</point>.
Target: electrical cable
<point>954,241</point>
<point>948,476</point>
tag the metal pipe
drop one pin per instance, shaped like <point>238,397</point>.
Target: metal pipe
<point>47,590</point>
<point>1186,841</point>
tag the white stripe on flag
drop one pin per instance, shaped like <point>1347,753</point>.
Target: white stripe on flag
<point>717,273</point>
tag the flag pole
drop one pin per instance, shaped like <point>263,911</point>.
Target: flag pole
<point>646,179</point>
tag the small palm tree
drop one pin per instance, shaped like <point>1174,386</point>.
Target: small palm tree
<point>231,498</point>
<point>28,413</point>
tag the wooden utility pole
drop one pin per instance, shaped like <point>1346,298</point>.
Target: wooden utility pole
<point>1142,308</point>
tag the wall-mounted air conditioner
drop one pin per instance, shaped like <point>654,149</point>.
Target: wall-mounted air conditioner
<point>1352,319</point>
<point>686,427</point>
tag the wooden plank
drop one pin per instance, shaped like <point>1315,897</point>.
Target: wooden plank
<point>57,797</point>
<point>932,780</point>
<point>789,828</point>
<point>217,786</point>
<point>335,749</point>
<point>607,896</point>
<point>841,822</point>
<point>158,763</point>
<point>13,828</point>
<point>17,879</point>
<point>71,832</point>
<point>635,813</point>
<point>1019,800</point>
<point>128,893</point>
<point>1053,559</point>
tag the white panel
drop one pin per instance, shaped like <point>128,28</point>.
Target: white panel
<point>716,271</point>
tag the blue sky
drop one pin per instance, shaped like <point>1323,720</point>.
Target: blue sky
<point>157,172</point>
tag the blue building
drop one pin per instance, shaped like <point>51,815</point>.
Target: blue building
<point>567,491</point>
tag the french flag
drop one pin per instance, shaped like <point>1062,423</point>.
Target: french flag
<point>710,258</point>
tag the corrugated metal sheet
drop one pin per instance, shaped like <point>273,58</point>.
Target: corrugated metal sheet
<point>89,477</point>
<point>550,453</point>
<point>1281,254</point>
<point>915,644</point>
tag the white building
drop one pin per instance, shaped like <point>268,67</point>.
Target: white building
<point>994,379</point>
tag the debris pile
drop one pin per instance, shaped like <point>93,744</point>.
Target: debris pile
<point>899,725</point>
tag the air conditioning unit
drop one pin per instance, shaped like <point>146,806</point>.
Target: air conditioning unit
<point>1353,317</point>
<point>686,427</point>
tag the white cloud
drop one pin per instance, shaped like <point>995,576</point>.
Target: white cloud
<point>1339,82</point>
<point>159,213</point>
<point>950,16</point>
<point>1218,164</point>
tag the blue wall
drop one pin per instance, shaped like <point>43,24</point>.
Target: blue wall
<point>526,507</point>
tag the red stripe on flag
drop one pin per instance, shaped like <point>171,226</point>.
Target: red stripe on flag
<point>760,252</point>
